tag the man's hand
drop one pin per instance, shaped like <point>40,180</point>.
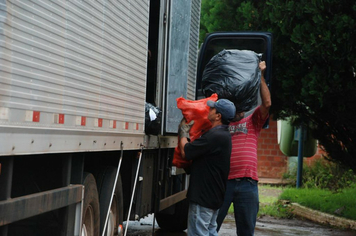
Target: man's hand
<point>262,66</point>
<point>184,128</point>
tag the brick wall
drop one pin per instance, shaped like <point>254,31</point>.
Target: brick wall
<point>272,163</point>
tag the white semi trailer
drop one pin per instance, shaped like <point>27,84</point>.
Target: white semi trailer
<point>74,80</point>
<point>78,154</point>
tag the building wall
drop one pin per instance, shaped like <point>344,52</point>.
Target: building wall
<point>272,163</point>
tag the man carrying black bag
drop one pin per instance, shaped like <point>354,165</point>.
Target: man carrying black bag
<point>242,186</point>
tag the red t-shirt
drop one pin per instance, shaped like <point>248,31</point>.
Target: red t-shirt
<point>244,136</point>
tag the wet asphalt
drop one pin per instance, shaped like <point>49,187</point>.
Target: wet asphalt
<point>266,226</point>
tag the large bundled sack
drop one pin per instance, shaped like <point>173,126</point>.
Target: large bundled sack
<point>198,111</point>
<point>234,75</point>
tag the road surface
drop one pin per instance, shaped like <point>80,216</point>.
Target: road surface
<point>266,226</point>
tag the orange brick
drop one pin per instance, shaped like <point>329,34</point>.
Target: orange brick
<point>262,158</point>
<point>274,152</point>
<point>264,135</point>
<point>266,163</point>
<point>267,152</point>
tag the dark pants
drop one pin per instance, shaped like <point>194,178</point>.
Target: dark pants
<point>243,193</point>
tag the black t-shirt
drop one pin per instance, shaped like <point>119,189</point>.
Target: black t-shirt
<point>210,167</point>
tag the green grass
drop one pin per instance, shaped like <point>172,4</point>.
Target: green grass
<point>343,201</point>
<point>269,205</point>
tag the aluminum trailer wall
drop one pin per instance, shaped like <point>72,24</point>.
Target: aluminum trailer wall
<point>72,75</point>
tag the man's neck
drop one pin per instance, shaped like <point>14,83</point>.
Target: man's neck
<point>216,123</point>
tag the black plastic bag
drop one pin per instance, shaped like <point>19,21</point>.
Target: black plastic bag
<point>153,117</point>
<point>234,75</point>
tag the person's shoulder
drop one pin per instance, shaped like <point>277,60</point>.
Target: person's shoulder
<point>218,130</point>
<point>257,110</point>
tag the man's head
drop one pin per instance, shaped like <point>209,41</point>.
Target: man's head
<point>224,109</point>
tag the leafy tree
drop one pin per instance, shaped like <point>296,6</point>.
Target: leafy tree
<point>314,60</point>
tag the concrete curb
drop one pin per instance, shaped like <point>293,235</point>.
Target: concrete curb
<point>321,217</point>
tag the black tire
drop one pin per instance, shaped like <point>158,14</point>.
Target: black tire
<point>177,221</point>
<point>91,212</point>
<point>105,177</point>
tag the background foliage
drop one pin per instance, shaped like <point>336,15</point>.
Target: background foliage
<point>314,62</point>
<point>322,174</point>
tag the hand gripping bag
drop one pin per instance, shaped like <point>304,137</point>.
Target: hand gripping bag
<point>234,75</point>
<point>193,110</point>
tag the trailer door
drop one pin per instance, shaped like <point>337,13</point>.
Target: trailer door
<point>183,20</point>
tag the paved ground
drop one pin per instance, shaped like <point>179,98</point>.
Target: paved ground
<point>269,226</point>
<point>266,226</point>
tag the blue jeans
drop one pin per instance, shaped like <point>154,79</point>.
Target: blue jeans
<point>243,193</point>
<point>201,220</point>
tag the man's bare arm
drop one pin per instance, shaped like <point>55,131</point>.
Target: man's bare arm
<point>264,92</point>
<point>182,142</point>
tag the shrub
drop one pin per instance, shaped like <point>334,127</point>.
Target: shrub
<point>323,174</point>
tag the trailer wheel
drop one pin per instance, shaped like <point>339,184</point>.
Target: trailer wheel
<point>177,221</point>
<point>105,177</point>
<point>91,212</point>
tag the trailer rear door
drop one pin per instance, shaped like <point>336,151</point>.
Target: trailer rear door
<point>184,18</point>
